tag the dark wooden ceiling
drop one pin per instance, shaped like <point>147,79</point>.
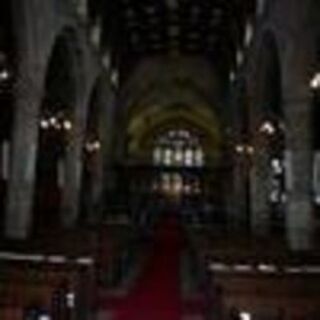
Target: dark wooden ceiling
<point>137,29</point>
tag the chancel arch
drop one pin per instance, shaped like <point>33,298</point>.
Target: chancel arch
<point>141,129</point>
<point>175,144</point>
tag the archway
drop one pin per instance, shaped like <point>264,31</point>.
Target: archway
<point>268,194</point>
<point>7,78</point>
<point>55,122</point>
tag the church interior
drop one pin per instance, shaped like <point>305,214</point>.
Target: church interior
<point>160,160</point>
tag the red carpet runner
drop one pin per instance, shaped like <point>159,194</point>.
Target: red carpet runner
<point>156,295</point>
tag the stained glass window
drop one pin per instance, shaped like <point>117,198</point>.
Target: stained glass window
<point>178,148</point>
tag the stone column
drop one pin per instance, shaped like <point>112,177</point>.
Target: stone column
<point>111,145</point>
<point>28,96</point>
<point>84,78</point>
<point>22,175</point>
<point>102,158</point>
<point>297,105</point>
<point>260,191</point>
<point>73,159</point>
<point>238,215</point>
<point>96,189</point>
<point>229,198</point>
<point>299,174</point>
<point>109,134</point>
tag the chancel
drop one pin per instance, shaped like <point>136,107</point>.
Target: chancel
<point>160,160</point>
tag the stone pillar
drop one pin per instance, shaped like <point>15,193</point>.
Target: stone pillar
<point>73,163</point>
<point>24,149</point>
<point>109,136</point>
<point>84,78</point>
<point>28,96</point>
<point>96,189</point>
<point>237,214</point>
<point>73,160</point>
<point>102,158</point>
<point>299,174</point>
<point>297,105</point>
<point>260,191</point>
<point>229,198</point>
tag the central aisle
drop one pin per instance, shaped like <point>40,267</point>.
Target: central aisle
<point>157,294</point>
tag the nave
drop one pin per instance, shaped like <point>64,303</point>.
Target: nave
<point>115,113</point>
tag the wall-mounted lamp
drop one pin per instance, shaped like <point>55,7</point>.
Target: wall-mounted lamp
<point>315,81</point>
<point>67,125</point>
<point>56,123</point>
<point>93,146</point>
<point>244,149</point>
<point>243,315</point>
<point>268,128</point>
<point>44,124</point>
<point>240,148</point>
<point>277,166</point>
<point>4,75</point>
<point>232,76</point>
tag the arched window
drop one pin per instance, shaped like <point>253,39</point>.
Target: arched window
<point>174,150</point>
<point>178,148</point>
